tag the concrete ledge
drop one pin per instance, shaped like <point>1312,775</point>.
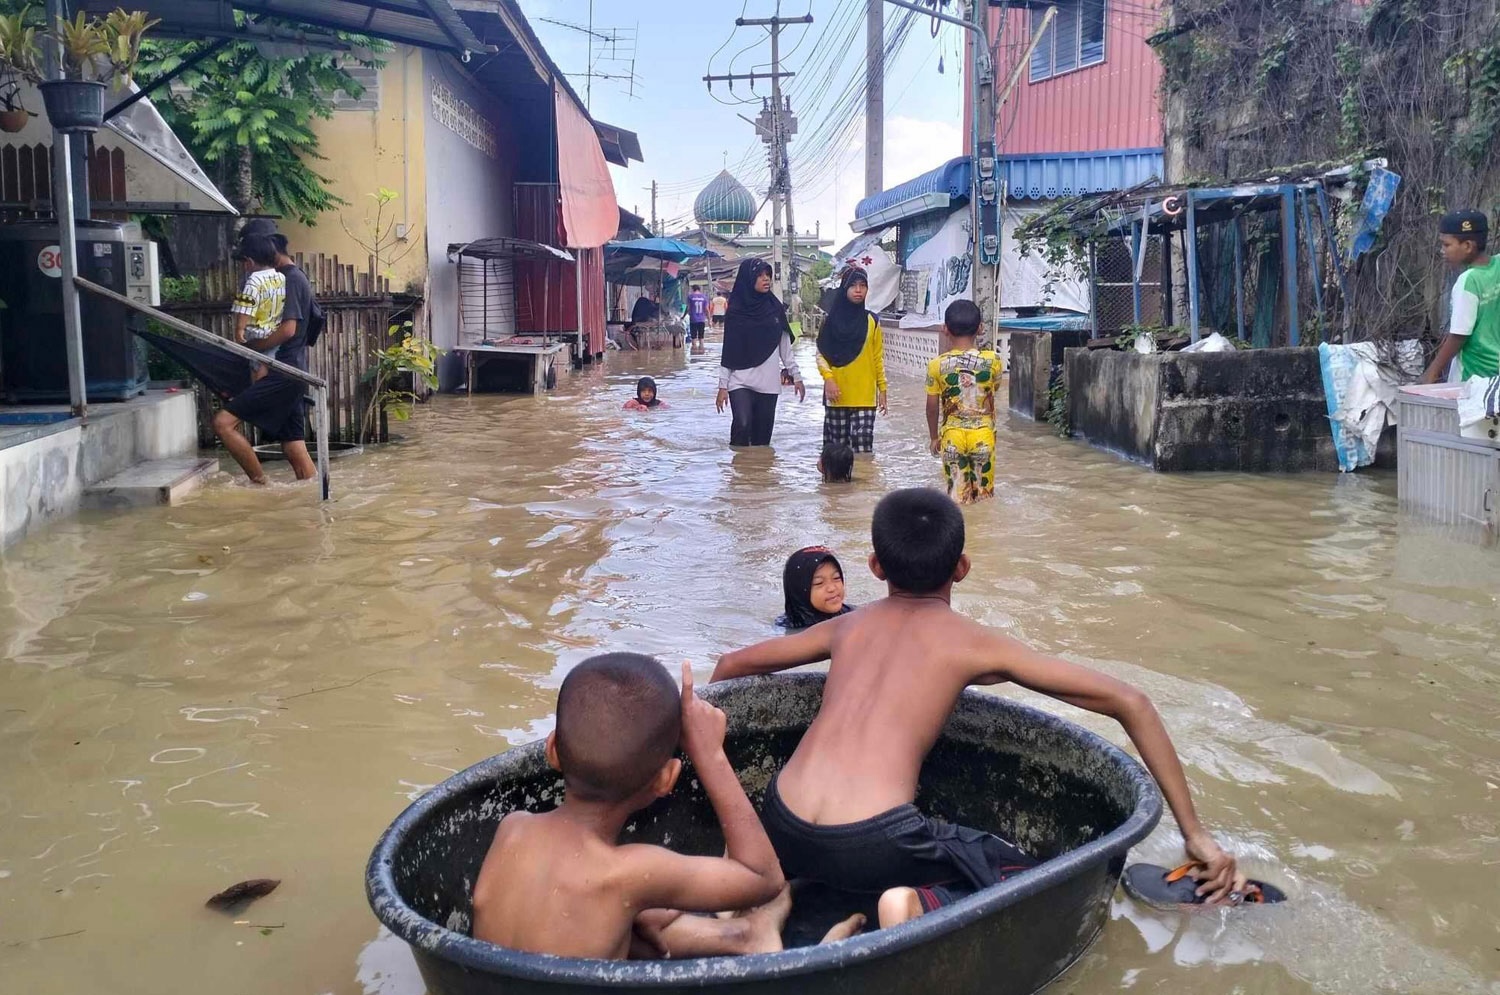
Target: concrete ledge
<point>1032,357</point>
<point>1259,411</point>
<point>44,469</point>
<point>154,482</point>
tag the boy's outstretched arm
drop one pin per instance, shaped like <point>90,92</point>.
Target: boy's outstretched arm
<point>749,873</point>
<point>807,646</point>
<point>1009,659</point>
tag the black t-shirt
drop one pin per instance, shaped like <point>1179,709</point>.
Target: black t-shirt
<point>299,302</point>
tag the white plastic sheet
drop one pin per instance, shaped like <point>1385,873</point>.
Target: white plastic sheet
<point>945,263</point>
<point>878,264</point>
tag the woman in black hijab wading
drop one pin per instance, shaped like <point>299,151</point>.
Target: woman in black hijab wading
<point>757,347</point>
<point>813,583</point>
<point>851,357</point>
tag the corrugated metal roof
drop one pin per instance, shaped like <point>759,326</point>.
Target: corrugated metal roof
<point>1072,174</point>
<point>424,23</point>
<point>933,190</point>
<point>930,191</point>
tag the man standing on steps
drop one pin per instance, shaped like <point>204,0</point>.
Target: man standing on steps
<point>275,404</point>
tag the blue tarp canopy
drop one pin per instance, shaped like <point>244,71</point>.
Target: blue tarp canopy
<point>667,249</point>
<point>934,190</point>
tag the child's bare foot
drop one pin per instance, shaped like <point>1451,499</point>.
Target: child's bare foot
<point>763,925</point>
<point>849,927</point>
<point>898,905</point>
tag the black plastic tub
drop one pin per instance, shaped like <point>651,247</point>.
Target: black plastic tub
<point>1059,791</point>
<point>336,450</point>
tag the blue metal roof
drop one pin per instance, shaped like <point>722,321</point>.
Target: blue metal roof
<point>1030,177</point>
<point>1071,174</point>
<point>932,191</point>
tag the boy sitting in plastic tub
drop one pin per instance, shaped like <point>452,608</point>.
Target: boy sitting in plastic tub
<point>560,882</point>
<point>841,811</point>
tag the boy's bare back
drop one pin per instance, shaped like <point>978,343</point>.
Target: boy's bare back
<point>897,668</point>
<point>549,886</point>
<point>559,882</point>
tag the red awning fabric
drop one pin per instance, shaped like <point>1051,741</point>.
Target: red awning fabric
<point>590,214</point>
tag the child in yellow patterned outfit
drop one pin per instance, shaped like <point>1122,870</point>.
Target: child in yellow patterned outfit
<point>961,385</point>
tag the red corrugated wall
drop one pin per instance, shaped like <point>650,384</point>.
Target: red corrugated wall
<point>1112,105</point>
<point>551,289</point>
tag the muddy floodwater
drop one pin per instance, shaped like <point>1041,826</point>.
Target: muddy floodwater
<point>251,685</point>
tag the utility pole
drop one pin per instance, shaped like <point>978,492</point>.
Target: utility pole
<point>986,193</point>
<point>984,197</point>
<point>775,126</point>
<point>794,277</point>
<point>653,209</point>
<point>874,97</point>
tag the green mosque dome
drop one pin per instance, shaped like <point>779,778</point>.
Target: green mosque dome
<point>725,205</point>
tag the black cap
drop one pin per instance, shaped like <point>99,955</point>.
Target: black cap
<point>258,226</point>
<point>1461,224</point>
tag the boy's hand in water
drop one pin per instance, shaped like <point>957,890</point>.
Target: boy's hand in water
<point>703,725</point>
<point>1219,877</point>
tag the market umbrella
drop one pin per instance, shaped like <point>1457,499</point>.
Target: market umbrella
<point>668,249</point>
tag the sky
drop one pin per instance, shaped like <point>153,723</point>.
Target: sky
<point>688,134</point>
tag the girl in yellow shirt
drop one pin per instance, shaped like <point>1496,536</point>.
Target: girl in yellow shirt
<point>851,358</point>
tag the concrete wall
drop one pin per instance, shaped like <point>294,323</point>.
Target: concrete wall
<point>470,193</point>
<point>377,142</point>
<point>1112,399</point>
<point>1030,366</point>
<point>42,479</point>
<point>1032,357</point>
<point>1260,411</point>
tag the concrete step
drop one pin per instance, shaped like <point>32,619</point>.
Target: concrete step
<point>159,481</point>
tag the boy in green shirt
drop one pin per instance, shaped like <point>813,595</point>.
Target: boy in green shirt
<point>1474,328</point>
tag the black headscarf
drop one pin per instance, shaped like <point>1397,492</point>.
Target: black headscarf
<point>644,383</point>
<point>797,582</point>
<point>842,337</point>
<point>754,323</point>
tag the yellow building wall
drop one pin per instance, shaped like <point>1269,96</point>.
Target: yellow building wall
<point>364,151</point>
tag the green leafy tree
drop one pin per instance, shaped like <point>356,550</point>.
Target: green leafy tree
<point>250,118</point>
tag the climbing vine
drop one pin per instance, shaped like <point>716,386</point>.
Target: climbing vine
<point>1253,86</point>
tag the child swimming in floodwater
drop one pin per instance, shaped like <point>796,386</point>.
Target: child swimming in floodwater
<point>645,398</point>
<point>842,810</point>
<point>561,883</point>
<point>836,463</point>
<point>813,584</point>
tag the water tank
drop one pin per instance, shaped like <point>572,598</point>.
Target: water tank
<point>33,350</point>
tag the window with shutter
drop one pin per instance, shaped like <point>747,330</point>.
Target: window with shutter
<point>1041,58</point>
<point>367,77</point>
<point>1065,48</point>
<point>1091,33</point>
<point>1074,39</point>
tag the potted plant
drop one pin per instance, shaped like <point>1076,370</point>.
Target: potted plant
<point>95,52</point>
<point>18,55</point>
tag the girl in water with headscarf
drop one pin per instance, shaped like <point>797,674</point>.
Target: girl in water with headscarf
<point>645,398</point>
<point>814,585</point>
<point>757,347</point>
<point>851,357</point>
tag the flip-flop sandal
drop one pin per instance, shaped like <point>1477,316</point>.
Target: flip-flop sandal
<point>1164,888</point>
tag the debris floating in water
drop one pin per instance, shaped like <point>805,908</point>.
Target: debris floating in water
<point>243,892</point>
